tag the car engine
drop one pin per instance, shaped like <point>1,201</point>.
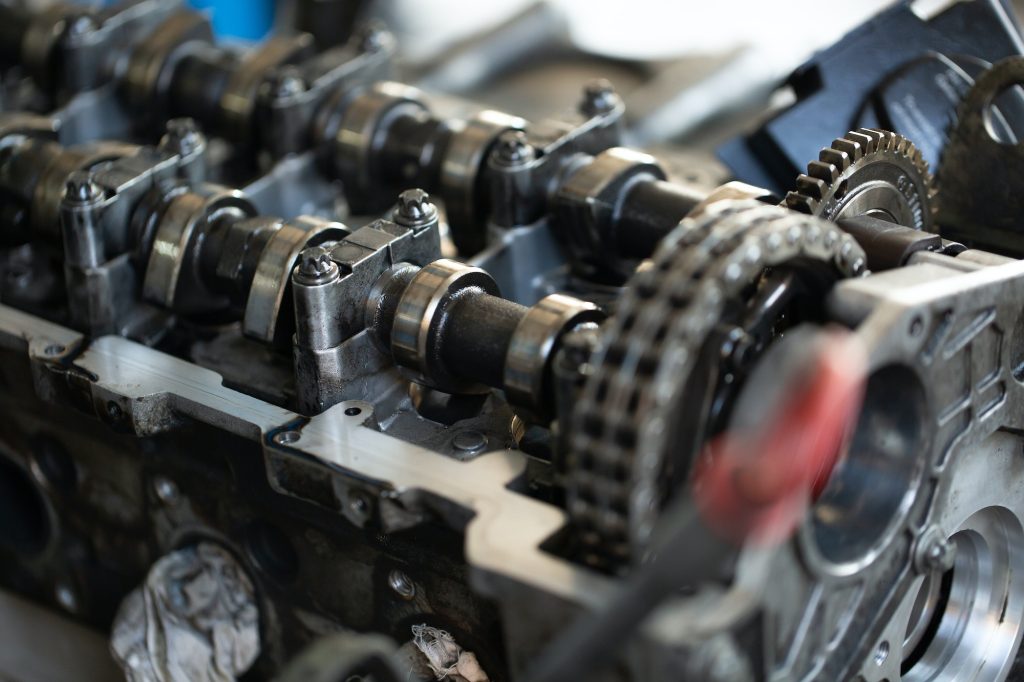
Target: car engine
<point>318,364</point>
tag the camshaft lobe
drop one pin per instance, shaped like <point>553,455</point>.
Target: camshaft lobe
<point>441,319</point>
<point>450,325</point>
<point>381,138</point>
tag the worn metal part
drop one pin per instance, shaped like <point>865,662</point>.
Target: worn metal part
<point>172,278</point>
<point>535,341</point>
<point>195,354</point>
<point>868,172</point>
<point>977,206</point>
<point>421,310</point>
<point>646,410</point>
<point>268,308</point>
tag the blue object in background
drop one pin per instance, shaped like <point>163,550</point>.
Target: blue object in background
<point>244,19</point>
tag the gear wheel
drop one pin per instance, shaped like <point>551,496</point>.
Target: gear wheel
<point>652,397</point>
<point>867,172</point>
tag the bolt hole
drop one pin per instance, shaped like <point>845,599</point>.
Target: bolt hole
<point>287,437</point>
<point>353,411</point>
<point>272,552</point>
<point>1005,107</point>
<point>359,504</point>
<point>916,326</point>
<point>881,653</point>
<point>53,349</point>
<point>401,584</point>
<point>113,410</point>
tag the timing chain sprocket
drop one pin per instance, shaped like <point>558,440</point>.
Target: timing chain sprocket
<point>645,409</point>
<point>867,172</point>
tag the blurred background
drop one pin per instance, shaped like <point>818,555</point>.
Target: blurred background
<point>530,57</point>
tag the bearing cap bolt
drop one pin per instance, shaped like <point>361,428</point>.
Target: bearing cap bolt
<point>373,38</point>
<point>182,137</point>
<point>316,265</point>
<point>414,208</point>
<point>598,98</point>
<point>80,187</point>
<point>288,83</point>
<point>81,25</point>
<point>513,149</point>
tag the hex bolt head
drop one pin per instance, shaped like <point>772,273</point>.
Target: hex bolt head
<point>316,265</point>
<point>81,188</point>
<point>401,584</point>
<point>469,441</point>
<point>598,97</point>
<point>934,551</point>
<point>66,597</point>
<point>81,25</point>
<point>166,491</point>
<point>183,137</point>
<point>288,83</point>
<point>512,149</point>
<point>374,37</point>
<point>939,555</point>
<point>415,208</point>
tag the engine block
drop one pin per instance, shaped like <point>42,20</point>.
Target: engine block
<point>314,367</point>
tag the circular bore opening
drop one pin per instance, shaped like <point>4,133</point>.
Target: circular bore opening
<point>1005,108</point>
<point>287,437</point>
<point>272,551</point>
<point>24,520</point>
<point>53,466</point>
<point>353,411</point>
<point>973,628</point>
<point>872,487</point>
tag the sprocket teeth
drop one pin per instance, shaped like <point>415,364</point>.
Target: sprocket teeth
<point>877,139</point>
<point>800,203</point>
<point>612,486</point>
<point>884,139</point>
<point>854,149</point>
<point>866,142</point>
<point>825,172</point>
<point>813,188</point>
<point>836,157</point>
<point>824,185</point>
